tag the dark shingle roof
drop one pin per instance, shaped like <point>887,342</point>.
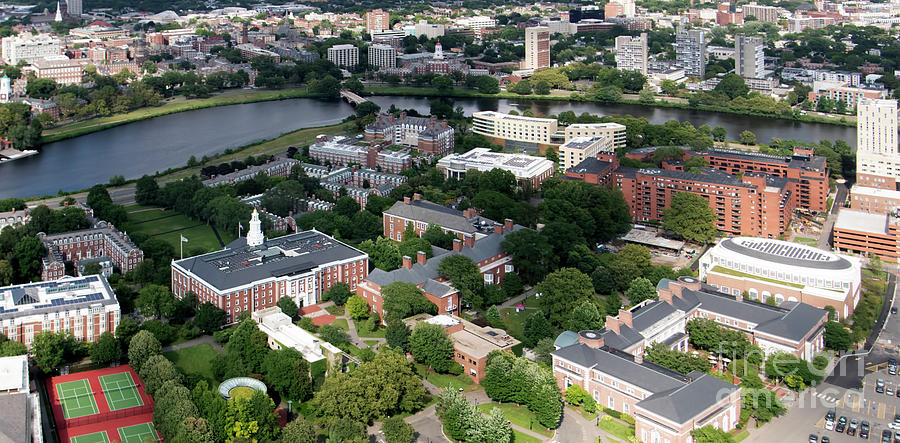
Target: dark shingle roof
<point>590,165</point>
<point>799,321</point>
<point>428,212</point>
<point>616,365</point>
<point>685,403</point>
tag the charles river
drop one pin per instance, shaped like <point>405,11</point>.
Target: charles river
<point>160,143</point>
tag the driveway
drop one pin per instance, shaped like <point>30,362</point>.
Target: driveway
<point>428,427</point>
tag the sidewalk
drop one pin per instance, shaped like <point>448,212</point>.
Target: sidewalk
<point>206,339</point>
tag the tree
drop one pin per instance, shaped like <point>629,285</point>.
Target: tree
<point>465,276</point>
<point>382,387</point>
<point>531,252</point>
<point>339,292</point>
<point>246,349</point>
<point>542,88</point>
<point>586,316</point>
<point>287,372</point>
<point>7,275</point>
<point>561,292</point>
<point>516,379</point>
<point>522,87</point>
<point>106,350</point>
<point>49,350</point>
<point>357,307</point>
<point>195,430</point>
<point>677,361</point>
<point>397,334</point>
<point>26,257</point>
<point>669,87</point>
<point>837,337</point>
<point>9,348</point>
<point>442,83</point>
<point>603,280</point>
<point>288,307</point>
<point>210,318</point>
<point>383,253</point>
<point>760,404</point>
<point>156,301</point>
<point>536,327</point>
<point>709,434</point>
<point>397,431</point>
<point>733,86</point>
<point>577,396</point>
<point>512,284</point>
<point>429,344</point>
<point>690,216</point>
<point>747,138</point>
<point>127,328</point>
<point>402,299</point>
<point>719,133</point>
<point>640,289</point>
<point>543,349</point>
<point>493,429</point>
<point>300,430</point>
<point>156,371</point>
<point>146,191</point>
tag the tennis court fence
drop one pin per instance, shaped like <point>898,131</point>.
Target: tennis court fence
<point>105,416</point>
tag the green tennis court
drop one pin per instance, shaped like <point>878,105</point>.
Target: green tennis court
<point>76,399</point>
<point>137,433</point>
<point>120,391</point>
<point>96,437</point>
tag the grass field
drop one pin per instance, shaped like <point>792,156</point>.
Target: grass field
<point>616,427</point>
<point>518,415</point>
<point>519,437</point>
<point>371,343</point>
<point>194,360</point>
<point>169,226</point>
<point>515,321</point>
<point>137,433</point>
<point>341,323</point>
<point>446,380</point>
<point>120,391</point>
<point>335,310</point>
<point>76,398</point>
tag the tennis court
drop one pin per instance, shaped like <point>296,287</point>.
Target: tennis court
<point>76,399</point>
<point>96,437</point>
<point>120,391</point>
<point>137,433</point>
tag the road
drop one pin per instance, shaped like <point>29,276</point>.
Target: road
<point>825,240</point>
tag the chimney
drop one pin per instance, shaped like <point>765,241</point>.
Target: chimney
<point>508,224</point>
<point>665,295</point>
<point>469,213</point>
<point>690,283</point>
<point>470,240</point>
<point>417,196</point>
<point>591,338</point>
<point>498,228</point>
<point>638,358</point>
<point>457,244</point>
<point>739,297</point>
<point>420,257</point>
<point>407,262</point>
<point>612,324</point>
<point>625,318</point>
<point>406,200</point>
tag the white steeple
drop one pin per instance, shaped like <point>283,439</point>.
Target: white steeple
<point>255,235</point>
<point>58,17</point>
<point>438,51</point>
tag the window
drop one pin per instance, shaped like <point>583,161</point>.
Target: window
<point>611,402</point>
<point>488,279</point>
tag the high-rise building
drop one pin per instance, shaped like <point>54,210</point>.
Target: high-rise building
<point>429,30</point>
<point>768,14</point>
<point>383,56</point>
<point>631,53</point>
<point>690,51</point>
<point>749,60</point>
<point>537,47</point>
<point>344,55</point>
<point>74,7</point>
<point>377,20</point>
<point>877,156</point>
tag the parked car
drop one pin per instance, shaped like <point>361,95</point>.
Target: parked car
<point>813,438</point>
<point>889,391</point>
<point>892,364</point>
<point>886,436</point>
<point>864,430</point>
<point>851,429</point>
<point>826,439</point>
<point>841,424</point>
<point>879,386</point>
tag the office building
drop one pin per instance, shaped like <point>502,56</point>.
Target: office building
<point>346,55</point>
<point>377,20</point>
<point>28,48</point>
<point>577,149</point>
<point>877,154</point>
<point>690,51</point>
<point>74,8</point>
<point>422,213</point>
<point>60,69</point>
<point>613,131</point>
<point>471,343</point>
<point>429,30</point>
<point>101,241</point>
<point>631,53</point>
<point>749,60</point>
<point>477,24</point>
<point>253,273</point>
<point>382,56</point>
<point>526,168</point>
<point>762,268</point>
<point>842,91</point>
<point>767,14</point>
<point>868,234</point>
<point>516,128</point>
<point>84,306</point>
<point>537,48</point>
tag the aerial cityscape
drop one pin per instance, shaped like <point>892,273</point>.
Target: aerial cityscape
<point>449,221</point>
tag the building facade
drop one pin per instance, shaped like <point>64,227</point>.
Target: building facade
<point>28,48</point>
<point>377,20</point>
<point>62,71</point>
<point>576,149</point>
<point>526,168</point>
<point>84,306</point>
<point>104,240</point>
<point>253,273</point>
<point>537,48</point>
<point>749,60</point>
<point>382,56</point>
<point>427,135</point>
<point>631,53</point>
<point>344,55</point>
<point>767,14</point>
<point>868,234</point>
<point>690,51</point>
<point>513,127</point>
<point>613,131</point>
<point>877,154</point>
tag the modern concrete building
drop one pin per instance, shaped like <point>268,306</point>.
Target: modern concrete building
<point>429,30</point>
<point>28,48</point>
<point>377,20</point>
<point>283,333</point>
<point>767,14</point>
<point>471,343</point>
<point>526,168</point>
<point>842,91</point>
<point>253,273</point>
<point>537,48</point>
<point>575,150</point>
<point>631,53</point>
<point>690,51</point>
<point>74,8</point>
<point>749,60</point>
<point>762,268</point>
<point>382,56</point>
<point>613,131</point>
<point>103,240</point>
<point>346,55</point>
<point>506,127</point>
<point>868,234</point>
<point>877,153</point>
<point>84,306</point>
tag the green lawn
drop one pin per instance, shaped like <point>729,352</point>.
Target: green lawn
<point>169,226</point>
<point>519,437</point>
<point>740,436</point>
<point>142,215</point>
<point>335,310</point>
<point>446,380</point>
<point>379,333</point>
<point>341,323</point>
<point>723,270</point>
<point>194,360</point>
<point>515,321</point>
<point>806,241</point>
<point>531,302</point>
<point>518,415</point>
<point>616,427</point>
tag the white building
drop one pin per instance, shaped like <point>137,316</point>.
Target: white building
<point>749,60</point>
<point>513,127</point>
<point>768,14</point>
<point>524,167</point>
<point>577,149</point>
<point>631,53</point>
<point>690,51</point>
<point>28,48</point>
<point>283,333</point>
<point>344,55</point>
<point>791,272</point>
<point>383,56</point>
<point>73,8</point>
<point>20,421</point>
<point>84,306</point>
<point>477,23</point>
<point>58,68</point>
<point>429,30</point>
<point>537,48</point>
<point>614,131</point>
<point>876,138</point>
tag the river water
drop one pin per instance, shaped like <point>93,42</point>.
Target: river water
<point>160,143</point>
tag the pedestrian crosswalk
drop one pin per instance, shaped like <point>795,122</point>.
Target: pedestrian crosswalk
<point>829,399</point>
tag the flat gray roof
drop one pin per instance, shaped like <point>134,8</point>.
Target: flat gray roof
<point>861,221</point>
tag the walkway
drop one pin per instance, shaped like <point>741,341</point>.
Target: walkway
<point>511,303</point>
<point>478,397</point>
<point>352,333</point>
<point>204,340</point>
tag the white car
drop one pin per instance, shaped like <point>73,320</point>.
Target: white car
<point>894,425</point>
<point>829,425</point>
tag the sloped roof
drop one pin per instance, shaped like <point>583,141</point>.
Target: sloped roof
<point>685,403</point>
<point>619,366</point>
<point>428,212</point>
<point>796,324</point>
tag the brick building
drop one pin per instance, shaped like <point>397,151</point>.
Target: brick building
<point>253,273</point>
<point>103,240</point>
<point>428,135</point>
<point>422,213</point>
<point>867,234</point>
<point>84,306</point>
<point>527,169</point>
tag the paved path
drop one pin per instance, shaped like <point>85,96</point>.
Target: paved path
<point>825,239</point>
<point>511,303</point>
<point>355,338</point>
<point>478,397</point>
<point>206,339</point>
